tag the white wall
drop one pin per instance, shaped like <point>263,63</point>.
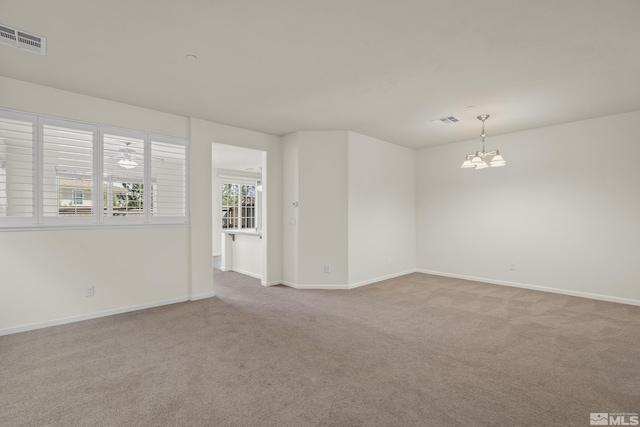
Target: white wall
<point>382,209</point>
<point>23,96</point>
<point>315,232</point>
<point>323,204</point>
<point>203,134</point>
<point>356,209</point>
<point>565,209</point>
<point>246,253</point>
<point>290,149</point>
<point>44,273</point>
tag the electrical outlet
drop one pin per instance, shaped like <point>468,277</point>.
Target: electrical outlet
<point>88,291</point>
<point>512,267</point>
<point>327,269</point>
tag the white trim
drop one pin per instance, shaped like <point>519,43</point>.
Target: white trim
<point>347,286</point>
<point>237,179</point>
<point>272,283</point>
<point>381,278</point>
<point>313,286</point>
<point>536,287</point>
<point>73,319</point>
<point>247,273</point>
<point>91,227</point>
<point>201,296</point>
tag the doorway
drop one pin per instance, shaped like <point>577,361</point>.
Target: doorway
<point>239,209</point>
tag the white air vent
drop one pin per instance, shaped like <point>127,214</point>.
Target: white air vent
<point>23,40</point>
<point>445,120</point>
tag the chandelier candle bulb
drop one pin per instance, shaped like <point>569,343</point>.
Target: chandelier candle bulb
<point>483,159</point>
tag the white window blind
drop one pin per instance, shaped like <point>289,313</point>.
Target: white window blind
<point>67,169</point>
<point>169,176</point>
<point>62,173</point>
<point>16,166</point>
<point>124,175</point>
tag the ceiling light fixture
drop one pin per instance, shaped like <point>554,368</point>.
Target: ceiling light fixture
<point>126,156</point>
<point>483,159</point>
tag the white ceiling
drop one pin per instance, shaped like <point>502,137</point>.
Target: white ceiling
<point>381,68</point>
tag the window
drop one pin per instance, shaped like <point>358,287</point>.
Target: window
<point>78,197</point>
<point>248,206</point>
<point>230,206</point>
<point>17,203</point>
<point>169,178</point>
<point>56,172</point>
<point>239,206</point>
<point>67,168</point>
<point>123,175</point>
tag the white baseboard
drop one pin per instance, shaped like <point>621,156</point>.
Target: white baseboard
<point>345,286</point>
<point>381,278</point>
<point>313,286</point>
<point>72,319</point>
<point>535,287</point>
<point>201,296</point>
<point>247,273</point>
<point>272,283</point>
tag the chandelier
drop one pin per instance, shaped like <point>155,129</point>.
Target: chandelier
<point>127,157</point>
<point>483,159</point>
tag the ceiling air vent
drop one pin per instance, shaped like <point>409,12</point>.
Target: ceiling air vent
<point>22,40</point>
<point>445,120</point>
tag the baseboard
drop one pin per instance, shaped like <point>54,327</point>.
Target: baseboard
<point>313,286</point>
<point>381,278</point>
<point>73,319</point>
<point>345,286</point>
<point>247,273</point>
<point>272,283</point>
<point>588,295</point>
<point>201,296</point>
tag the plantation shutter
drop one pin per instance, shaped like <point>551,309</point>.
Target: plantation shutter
<point>58,173</point>
<point>67,169</point>
<point>124,189</point>
<point>16,166</point>
<point>169,177</point>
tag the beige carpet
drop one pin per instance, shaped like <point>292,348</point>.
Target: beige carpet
<point>419,350</point>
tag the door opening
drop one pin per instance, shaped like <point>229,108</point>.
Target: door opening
<point>239,210</point>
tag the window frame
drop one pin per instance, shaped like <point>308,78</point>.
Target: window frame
<point>97,220</point>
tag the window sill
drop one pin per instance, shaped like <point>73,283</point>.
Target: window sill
<point>89,227</point>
